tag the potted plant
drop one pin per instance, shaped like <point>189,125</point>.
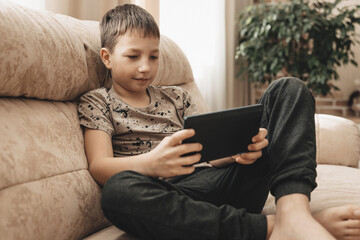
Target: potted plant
<point>297,38</point>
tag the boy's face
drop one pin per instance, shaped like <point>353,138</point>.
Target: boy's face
<point>133,62</point>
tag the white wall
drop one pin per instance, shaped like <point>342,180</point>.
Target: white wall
<point>348,73</point>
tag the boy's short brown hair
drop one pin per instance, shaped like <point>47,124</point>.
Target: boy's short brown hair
<point>117,21</point>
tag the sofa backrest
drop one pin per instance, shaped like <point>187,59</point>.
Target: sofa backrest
<point>46,62</point>
<point>337,141</point>
<point>56,57</point>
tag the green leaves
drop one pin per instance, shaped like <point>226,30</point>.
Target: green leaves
<point>299,39</point>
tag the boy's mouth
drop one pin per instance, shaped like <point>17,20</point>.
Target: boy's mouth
<point>142,79</point>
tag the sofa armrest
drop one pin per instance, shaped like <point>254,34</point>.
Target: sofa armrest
<point>337,141</point>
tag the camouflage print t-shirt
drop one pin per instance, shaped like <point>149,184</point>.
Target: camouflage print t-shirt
<point>136,130</point>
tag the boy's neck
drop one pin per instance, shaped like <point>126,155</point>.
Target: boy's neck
<point>134,99</point>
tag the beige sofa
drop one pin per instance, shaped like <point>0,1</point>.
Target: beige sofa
<point>46,192</point>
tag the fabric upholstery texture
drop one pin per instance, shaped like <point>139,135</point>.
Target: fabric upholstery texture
<point>338,141</point>
<point>39,139</point>
<point>46,191</point>
<point>55,57</point>
<point>64,206</point>
<point>40,56</point>
<point>174,68</point>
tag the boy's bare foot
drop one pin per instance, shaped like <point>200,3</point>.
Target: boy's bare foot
<point>299,227</point>
<point>293,220</point>
<point>342,222</point>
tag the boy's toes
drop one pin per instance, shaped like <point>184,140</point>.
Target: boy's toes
<point>357,213</point>
<point>353,232</point>
<point>350,238</point>
<point>352,224</point>
<point>350,212</point>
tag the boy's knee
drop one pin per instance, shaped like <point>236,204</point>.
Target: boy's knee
<point>290,87</point>
<point>287,90</point>
<point>289,82</point>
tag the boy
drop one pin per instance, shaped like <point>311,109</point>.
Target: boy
<point>133,144</point>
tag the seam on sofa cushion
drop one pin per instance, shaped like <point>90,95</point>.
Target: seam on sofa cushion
<point>64,206</point>
<point>47,177</point>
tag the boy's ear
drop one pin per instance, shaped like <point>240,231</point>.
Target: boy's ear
<point>105,57</point>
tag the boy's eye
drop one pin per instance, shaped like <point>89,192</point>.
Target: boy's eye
<point>132,56</point>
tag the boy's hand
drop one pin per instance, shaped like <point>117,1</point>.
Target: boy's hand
<point>259,142</point>
<point>165,160</point>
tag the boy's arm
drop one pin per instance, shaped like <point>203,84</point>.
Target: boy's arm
<point>163,161</point>
<point>99,153</point>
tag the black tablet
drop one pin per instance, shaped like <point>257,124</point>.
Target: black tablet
<point>224,133</point>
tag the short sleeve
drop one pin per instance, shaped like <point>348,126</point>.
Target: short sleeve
<point>94,111</point>
<point>189,105</point>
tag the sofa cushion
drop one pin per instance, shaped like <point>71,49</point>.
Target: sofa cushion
<point>39,139</point>
<point>65,206</point>
<point>337,141</point>
<point>46,191</point>
<point>337,185</point>
<point>39,55</point>
<point>56,57</point>
<point>174,68</point>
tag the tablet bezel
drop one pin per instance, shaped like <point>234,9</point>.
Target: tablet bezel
<point>224,133</point>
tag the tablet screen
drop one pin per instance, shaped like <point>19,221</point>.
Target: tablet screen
<point>224,133</point>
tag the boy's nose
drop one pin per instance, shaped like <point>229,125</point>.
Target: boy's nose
<point>144,66</point>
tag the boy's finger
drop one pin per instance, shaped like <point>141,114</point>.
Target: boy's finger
<point>251,155</point>
<point>186,169</point>
<point>258,145</point>
<point>241,160</point>
<point>261,135</point>
<point>190,160</point>
<point>187,148</point>
<point>179,136</point>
